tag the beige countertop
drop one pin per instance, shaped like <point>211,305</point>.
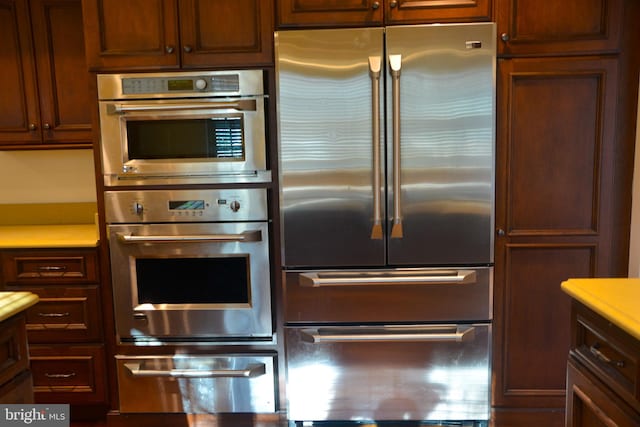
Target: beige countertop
<point>617,300</point>
<point>12,303</point>
<point>48,236</point>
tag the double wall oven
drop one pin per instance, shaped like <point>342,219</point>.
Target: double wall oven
<point>186,177</point>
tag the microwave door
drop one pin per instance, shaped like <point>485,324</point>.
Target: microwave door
<point>329,113</point>
<point>440,144</point>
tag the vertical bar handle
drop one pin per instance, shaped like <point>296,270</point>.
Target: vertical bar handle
<point>395,64</point>
<point>375,64</point>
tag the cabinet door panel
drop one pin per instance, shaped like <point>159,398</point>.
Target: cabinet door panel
<point>63,80</point>
<point>329,13</point>
<point>18,109</point>
<point>587,26</point>
<point>226,32</point>
<point>424,11</point>
<point>131,34</point>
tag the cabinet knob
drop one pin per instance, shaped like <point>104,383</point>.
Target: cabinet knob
<point>375,5</point>
<point>500,232</point>
<point>187,49</point>
<point>32,126</point>
<point>393,4</point>
<point>47,126</point>
<point>168,49</point>
<point>504,37</point>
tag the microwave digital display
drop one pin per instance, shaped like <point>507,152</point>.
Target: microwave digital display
<point>180,84</point>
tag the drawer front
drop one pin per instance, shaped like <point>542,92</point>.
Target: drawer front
<point>196,384</point>
<point>609,352</point>
<point>49,266</point>
<point>325,296</point>
<point>68,374</point>
<point>64,315</point>
<point>13,348</point>
<point>356,373</point>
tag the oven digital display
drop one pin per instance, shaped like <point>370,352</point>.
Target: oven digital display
<point>186,205</point>
<point>180,84</point>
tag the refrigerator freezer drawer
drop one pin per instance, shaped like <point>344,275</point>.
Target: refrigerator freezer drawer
<point>400,295</point>
<point>196,384</point>
<point>436,373</point>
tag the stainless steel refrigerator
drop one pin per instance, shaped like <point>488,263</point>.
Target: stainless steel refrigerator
<point>386,162</point>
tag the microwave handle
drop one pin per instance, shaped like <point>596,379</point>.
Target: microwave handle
<point>251,372</point>
<point>246,236</point>
<point>239,105</point>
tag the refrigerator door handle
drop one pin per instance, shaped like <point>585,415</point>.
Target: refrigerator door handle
<point>395,64</point>
<point>394,278</point>
<point>459,334</point>
<point>374,73</point>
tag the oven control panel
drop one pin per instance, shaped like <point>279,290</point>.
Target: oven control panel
<point>243,204</point>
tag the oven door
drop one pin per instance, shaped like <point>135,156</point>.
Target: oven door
<point>183,141</point>
<point>191,282</point>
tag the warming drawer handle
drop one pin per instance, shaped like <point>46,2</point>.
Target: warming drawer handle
<point>461,334</point>
<point>395,64</point>
<point>245,236</point>
<point>374,72</point>
<point>252,371</point>
<point>239,105</point>
<point>440,277</point>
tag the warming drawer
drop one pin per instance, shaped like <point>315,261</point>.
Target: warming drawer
<point>196,384</point>
<point>412,372</point>
<point>400,295</point>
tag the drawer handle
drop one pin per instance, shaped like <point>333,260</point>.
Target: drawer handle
<point>58,376</point>
<point>50,268</point>
<point>65,314</point>
<point>389,334</point>
<point>393,277</point>
<point>603,358</point>
<point>251,371</point>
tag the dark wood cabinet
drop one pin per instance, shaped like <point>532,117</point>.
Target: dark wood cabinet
<point>560,27</point>
<point>362,13</point>
<point>169,34</point>
<point>43,76</point>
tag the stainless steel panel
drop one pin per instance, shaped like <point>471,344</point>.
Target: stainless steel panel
<point>400,295</point>
<point>157,322</point>
<point>446,119</point>
<point>427,374</point>
<point>196,384</point>
<point>326,145</point>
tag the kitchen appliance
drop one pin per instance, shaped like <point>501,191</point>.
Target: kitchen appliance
<point>183,127</point>
<point>386,146</point>
<point>190,265</point>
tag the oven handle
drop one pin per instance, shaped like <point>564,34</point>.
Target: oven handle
<point>245,236</point>
<point>252,371</point>
<point>433,277</point>
<point>462,333</point>
<point>239,105</point>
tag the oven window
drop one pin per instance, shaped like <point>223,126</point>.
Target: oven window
<point>203,138</point>
<point>223,280</point>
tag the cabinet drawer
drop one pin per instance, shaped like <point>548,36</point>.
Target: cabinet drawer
<point>13,348</point>
<point>609,352</point>
<point>68,374</point>
<point>64,315</point>
<point>49,266</point>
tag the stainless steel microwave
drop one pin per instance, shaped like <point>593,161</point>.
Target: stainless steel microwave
<point>183,128</point>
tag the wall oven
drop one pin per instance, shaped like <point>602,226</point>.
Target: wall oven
<point>183,127</point>
<point>190,265</point>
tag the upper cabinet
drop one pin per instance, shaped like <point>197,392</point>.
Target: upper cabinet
<point>560,27</point>
<point>361,13</point>
<point>43,76</point>
<point>161,34</point>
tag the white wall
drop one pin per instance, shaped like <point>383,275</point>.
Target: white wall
<point>51,176</point>
<point>634,245</point>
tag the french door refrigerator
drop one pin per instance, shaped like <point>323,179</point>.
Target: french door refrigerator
<point>386,162</point>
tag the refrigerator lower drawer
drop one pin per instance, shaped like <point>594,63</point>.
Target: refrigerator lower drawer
<point>368,373</point>
<point>196,384</point>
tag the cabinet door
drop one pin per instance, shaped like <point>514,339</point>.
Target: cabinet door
<point>329,13</point>
<point>561,26</point>
<point>226,33</point>
<point>131,34</point>
<point>555,215</point>
<point>18,107</point>
<point>425,11</point>
<point>63,79</point>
